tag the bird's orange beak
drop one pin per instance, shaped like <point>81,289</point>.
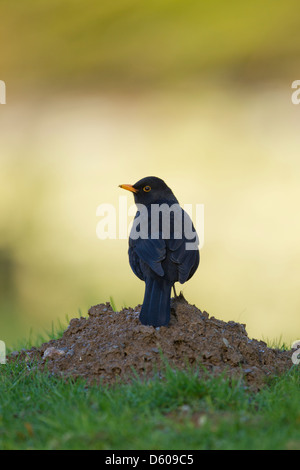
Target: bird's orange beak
<point>128,187</point>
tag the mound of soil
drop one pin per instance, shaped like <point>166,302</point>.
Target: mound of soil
<point>106,346</point>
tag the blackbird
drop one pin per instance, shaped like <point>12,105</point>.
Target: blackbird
<point>158,249</point>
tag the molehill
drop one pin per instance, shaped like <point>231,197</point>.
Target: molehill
<point>107,346</point>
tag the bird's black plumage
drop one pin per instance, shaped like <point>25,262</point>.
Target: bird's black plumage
<point>159,257</point>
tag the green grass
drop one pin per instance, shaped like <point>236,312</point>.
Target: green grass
<point>40,411</point>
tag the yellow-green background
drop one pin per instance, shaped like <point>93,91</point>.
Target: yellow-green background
<point>102,93</point>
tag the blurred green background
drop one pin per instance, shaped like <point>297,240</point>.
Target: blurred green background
<point>103,93</point>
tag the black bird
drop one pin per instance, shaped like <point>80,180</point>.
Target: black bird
<point>158,251</point>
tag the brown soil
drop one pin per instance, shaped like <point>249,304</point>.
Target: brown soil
<point>106,346</point>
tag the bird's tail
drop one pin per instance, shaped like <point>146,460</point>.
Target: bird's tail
<point>156,306</point>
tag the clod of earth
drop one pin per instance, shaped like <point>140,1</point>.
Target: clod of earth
<point>108,346</point>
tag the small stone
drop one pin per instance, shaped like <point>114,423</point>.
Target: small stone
<point>53,352</point>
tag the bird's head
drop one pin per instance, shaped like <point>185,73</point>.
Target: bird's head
<point>150,190</point>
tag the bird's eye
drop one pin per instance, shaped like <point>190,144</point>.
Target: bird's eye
<point>147,189</point>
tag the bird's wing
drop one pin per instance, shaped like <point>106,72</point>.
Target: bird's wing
<point>151,251</point>
<point>186,260</point>
<point>134,262</point>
